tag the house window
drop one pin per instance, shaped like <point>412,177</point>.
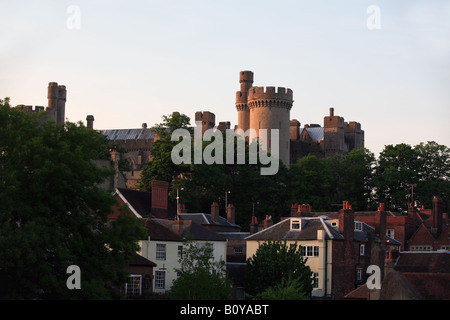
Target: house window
<point>358,226</point>
<point>160,251</point>
<point>296,224</point>
<point>310,251</point>
<point>133,287</point>
<point>390,233</point>
<point>358,274</point>
<point>315,280</point>
<point>180,251</point>
<point>362,249</point>
<point>238,251</point>
<point>160,280</point>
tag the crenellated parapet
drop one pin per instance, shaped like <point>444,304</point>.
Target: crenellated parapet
<point>270,97</point>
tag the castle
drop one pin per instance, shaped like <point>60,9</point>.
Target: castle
<point>257,107</point>
<point>56,110</point>
<point>269,108</point>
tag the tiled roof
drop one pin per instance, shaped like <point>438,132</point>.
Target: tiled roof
<point>428,286</point>
<point>205,218</point>
<point>127,134</point>
<point>196,231</point>
<point>282,231</point>
<point>139,260</point>
<point>316,133</point>
<point>141,201</point>
<point>310,225</point>
<point>157,231</point>
<point>424,261</point>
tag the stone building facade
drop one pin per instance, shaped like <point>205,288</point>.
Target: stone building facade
<point>56,110</point>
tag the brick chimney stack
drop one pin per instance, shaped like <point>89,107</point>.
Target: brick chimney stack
<point>254,225</point>
<point>347,228</point>
<point>160,192</point>
<point>215,212</point>
<point>437,216</point>
<point>231,216</point>
<point>380,223</point>
<point>267,222</point>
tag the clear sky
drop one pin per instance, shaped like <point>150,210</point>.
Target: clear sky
<point>129,62</point>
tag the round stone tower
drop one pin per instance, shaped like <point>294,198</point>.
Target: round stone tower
<point>270,109</point>
<point>246,81</point>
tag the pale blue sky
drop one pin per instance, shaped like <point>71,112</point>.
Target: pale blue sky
<point>133,61</point>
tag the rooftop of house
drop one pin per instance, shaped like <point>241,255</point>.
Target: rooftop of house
<point>308,227</point>
<point>206,219</point>
<point>138,260</point>
<point>185,228</point>
<point>157,231</point>
<point>424,261</point>
<point>426,286</point>
<point>141,203</point>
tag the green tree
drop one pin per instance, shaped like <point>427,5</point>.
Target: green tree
<point>276,262</point>
<point>200,277</point>
<point>53,212</point>
<point>161,167</point>
<point>352,178</point>
<point>287,289</point>
<point>243,184</point>
<point>310,182</point>
<point>397,168</point>
<point>434,174</point>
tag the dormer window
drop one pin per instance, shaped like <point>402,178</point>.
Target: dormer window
<point>358,226</point>
<point>296,224</point>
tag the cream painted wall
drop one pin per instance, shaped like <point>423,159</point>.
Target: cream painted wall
<point>148,250</point>
<point>321,264</point>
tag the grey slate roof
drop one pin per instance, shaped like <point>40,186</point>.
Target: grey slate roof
<point>316,133</point>
<point>282,231</point>
<point>205,218</point>
<point>127,134</point>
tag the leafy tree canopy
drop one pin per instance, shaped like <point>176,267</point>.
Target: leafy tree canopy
<point>53,212</point>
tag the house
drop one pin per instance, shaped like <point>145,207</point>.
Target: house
<point>166,233</point>
<point>188,229</point>
<point>140,280</point>
<point>418,276</point>
<point>433,232</point>
<point>339,251</point>
<point>144,204</point>
<point>164,247</point>
<point>398,227</point>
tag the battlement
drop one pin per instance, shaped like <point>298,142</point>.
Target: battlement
<point>352,126</point>
<point>51,112</point>
<point>270,93</point>
<point>205,116</point>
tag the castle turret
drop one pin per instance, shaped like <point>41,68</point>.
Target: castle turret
<point>61,109</point>
<point>207,119</point>
<point>56,96</point>
<point>270,109</point>
<point>333,130</point>
<point>246,81</point>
